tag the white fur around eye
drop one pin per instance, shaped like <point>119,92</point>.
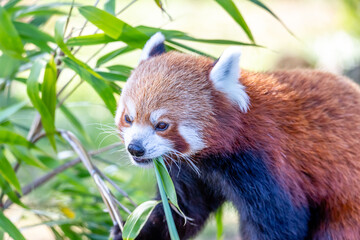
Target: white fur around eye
<point>225,76</point>
<point>192,137</point>
<point>155,115</point>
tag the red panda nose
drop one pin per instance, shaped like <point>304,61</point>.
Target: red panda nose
<point>136,149</point>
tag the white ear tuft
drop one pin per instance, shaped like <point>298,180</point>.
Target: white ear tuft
<point>154,46</point>
<point>225,76</point>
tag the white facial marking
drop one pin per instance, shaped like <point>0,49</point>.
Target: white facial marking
<point>154,144</point>
<point>155,115</point>
<point>153,42</point>
<point>119,111</point>
<point>192,137</point>
<point>129,105</point>
<point>225,76</point>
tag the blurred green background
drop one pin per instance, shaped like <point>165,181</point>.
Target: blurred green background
<point>327,37</point>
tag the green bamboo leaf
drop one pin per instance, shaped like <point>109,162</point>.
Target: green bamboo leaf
<point>174,34</point>
<point>10,228</point>
<point>230,7</point>
<point>48,88</point>
<point>94,39</point>
<point>12,66</point>
<point>99,85</point>
<point>137,219</point>
<point>219,223</point>
<point>111,55</point>
<point>12,138</point>
<point>121,69</point>
<point>114,27</point>
<point>164,197</point>
<point>113,76</point>
<point>11,4</point>
<point>6,188</point>
<point>262,5</point>
<point>182,47</point>
<point>43,46</point>
<point>7,112</point>
<point>59,33</point>
<point>167,182</point>
<point>30,31</point>
<point>84,71</point>
<point>7,171</point>
<point>47,119</point>
<point>48,9</point>
<point>109,6</point>
<point>74,121</point>
<point>26,156</point>
<point>10,41</point>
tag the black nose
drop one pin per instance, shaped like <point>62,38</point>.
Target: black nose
<point>136,149</point>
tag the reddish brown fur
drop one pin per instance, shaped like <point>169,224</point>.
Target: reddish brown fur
<point>307,122</point>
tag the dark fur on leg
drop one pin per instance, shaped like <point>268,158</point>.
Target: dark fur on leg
<point>196,200</point>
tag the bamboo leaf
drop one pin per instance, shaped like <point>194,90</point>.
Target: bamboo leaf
<point>219,223</point>
<point>262,5</point>
<point>99,85</point>
<point>30,31</point>
<point>48,88</point>
<point>74,121</point>
<point>164,197</point>
<point>137,219</point>
<point>6,188</point>
<point>121,69</point>
<point>113,76</point>
<point>11,4</point>
<point>174,34</point>
<point>7,112</point>
<point>12,138</point>
<point>10,228</point>
<point>111,55</point>
<point>48,9</point>
<point>84,71</point>
<point>182,47</point>
<point>10,41</point>
<point>94,39</point>
<point>33,92</point>
<point>114,27</point>
<point>12,66</point>
<point>230,7</point>
<point>26,157</point>
<point>109,6</point>
<point>7,171</point>
<point>167,182</point>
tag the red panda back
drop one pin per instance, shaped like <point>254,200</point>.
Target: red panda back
<point>314,120</point>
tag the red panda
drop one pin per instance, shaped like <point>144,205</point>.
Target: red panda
<point>283,147</point>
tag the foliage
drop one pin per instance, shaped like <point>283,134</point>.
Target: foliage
<point>38,60</point>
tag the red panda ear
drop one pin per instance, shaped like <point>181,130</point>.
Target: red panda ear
<point>225,77</point>
<point>153,47</point>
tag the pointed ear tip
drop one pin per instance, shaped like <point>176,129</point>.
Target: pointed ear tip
<point>158,36</point>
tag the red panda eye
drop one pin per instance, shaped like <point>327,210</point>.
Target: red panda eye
<point>161,126</point>
<point>127,119</point>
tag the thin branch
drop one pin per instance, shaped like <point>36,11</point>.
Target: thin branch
<point>90,58</point>
<point>122,192</point>
<point>100,184</point>
<point>69,15</point>
<point>44,179</point>
<point>126,7</point>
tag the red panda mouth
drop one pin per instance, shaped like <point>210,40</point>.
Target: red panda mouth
<point>142,160</point>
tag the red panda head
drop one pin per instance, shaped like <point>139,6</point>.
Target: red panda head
<point>167,105</point>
